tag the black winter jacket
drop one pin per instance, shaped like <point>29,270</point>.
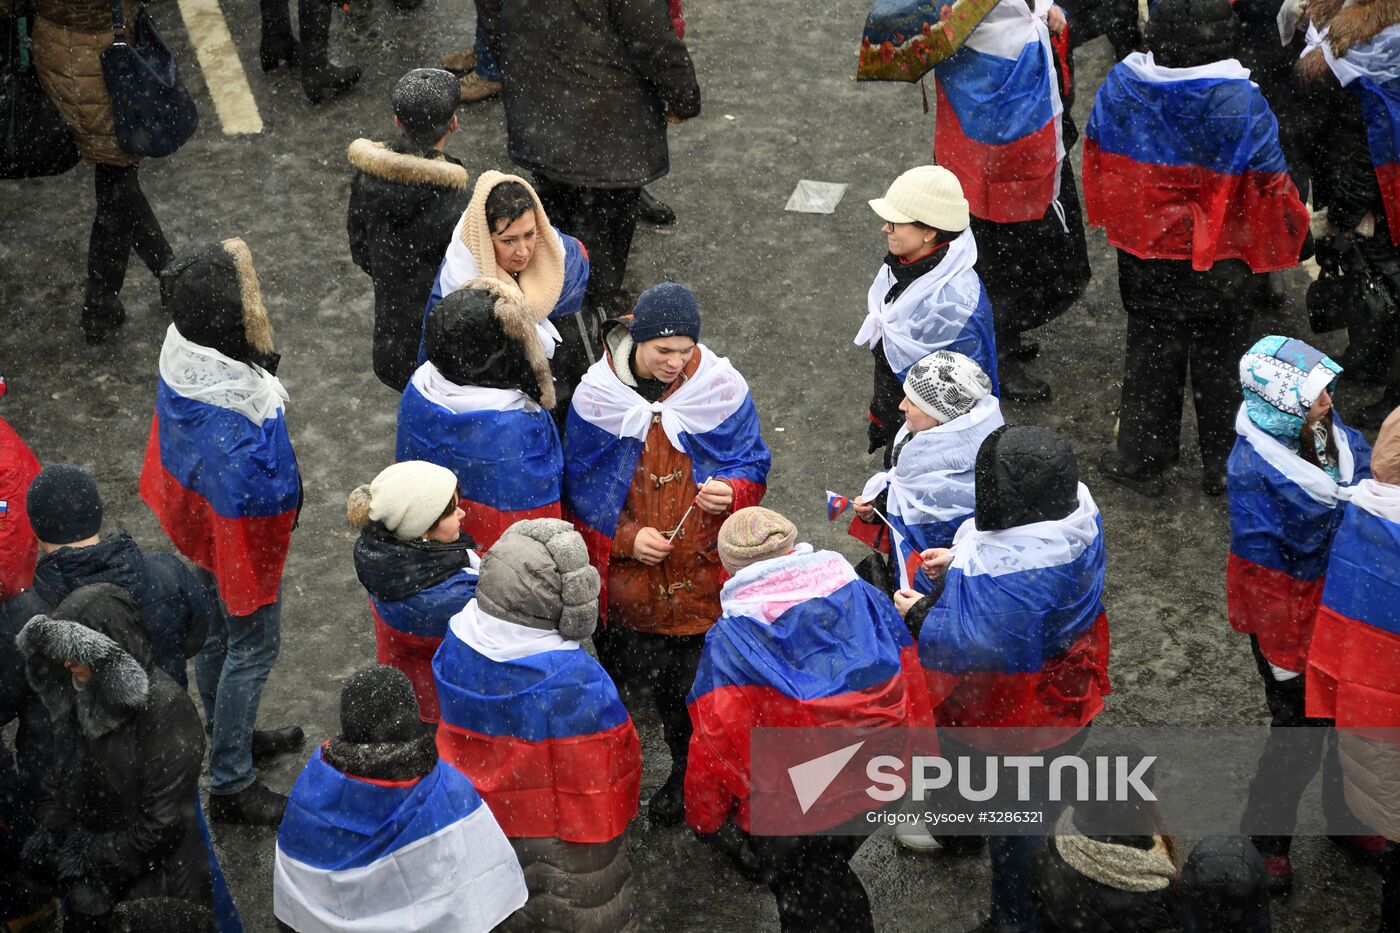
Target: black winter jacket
<point>404,205</point>
<point>587,86</point>
<point>1069,901</point>
<point>175,608</point>
<point>117,816</point>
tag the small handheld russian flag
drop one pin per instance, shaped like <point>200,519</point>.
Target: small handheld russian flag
<point>835,505</point>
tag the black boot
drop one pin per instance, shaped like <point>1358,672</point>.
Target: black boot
<point>103,316</point>
<point>268,743</point>
<point>320,79</point>
<point>254,805</point>
<point>278,45</point>
<point>734,843</point>
<point>1112,467</point>
<point>667,806</point>
<point>1019,385</point>
<point>655,212</point>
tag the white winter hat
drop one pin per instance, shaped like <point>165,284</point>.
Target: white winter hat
<point>929,194</point>
<point>946,385</point>
<point>407,498</point>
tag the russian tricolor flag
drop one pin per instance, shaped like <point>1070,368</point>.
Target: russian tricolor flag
<point>835,505</point>
<point>802,642</point>
<point>1185,163</point>
<point>355,854</point>
<point>1354,662</point>
<point>1283,513</point>
<point>407,632</point>
<point>1019,636</point>
<point>219,470</point>
<point>997,127</point>
<point>538,726</point>
<point>508,458</point>
<point>1372,70</point>
<point>710,417</point>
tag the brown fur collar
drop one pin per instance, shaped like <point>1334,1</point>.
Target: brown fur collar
<point>257,329</point>
<point>379,160</point>
<point>518,322</point>
<point>1360,22</point>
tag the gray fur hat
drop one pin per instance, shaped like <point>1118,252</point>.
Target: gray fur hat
<point>537,574</point>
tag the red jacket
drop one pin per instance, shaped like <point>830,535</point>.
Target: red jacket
<point>18,547</point>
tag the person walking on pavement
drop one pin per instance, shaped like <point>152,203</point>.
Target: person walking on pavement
<point>404,200</point>
<point>927,296</point>
<point>222,478</point>
<point>1003,127</point>
<point>67,41</point>
<point>1292,460</point>
<point>591,152</point>
<point>320,80</point>
<point>1189,253</point>
<point>662,444</point>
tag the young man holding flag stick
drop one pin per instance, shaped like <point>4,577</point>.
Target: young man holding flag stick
<point>658,429</point>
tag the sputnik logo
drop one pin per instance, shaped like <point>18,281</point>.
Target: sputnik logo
<point>811,778</point>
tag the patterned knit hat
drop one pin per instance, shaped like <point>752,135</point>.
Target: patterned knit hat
<point>946,385</point>
<point>754,534</point>
<point>1282,378</point>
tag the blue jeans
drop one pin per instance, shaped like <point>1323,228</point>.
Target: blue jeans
<point>486,66</point>
<point>230,670</point>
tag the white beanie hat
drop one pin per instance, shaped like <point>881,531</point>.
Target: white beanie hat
<point>929,194</point>
<point>946,385</point>
<point>407,498</point>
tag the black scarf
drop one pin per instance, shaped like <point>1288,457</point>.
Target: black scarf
<point>392,570</point>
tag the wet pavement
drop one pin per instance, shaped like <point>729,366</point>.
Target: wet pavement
<point>783,295</point>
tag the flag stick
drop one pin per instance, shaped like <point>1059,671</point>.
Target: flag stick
<point>677,529</point>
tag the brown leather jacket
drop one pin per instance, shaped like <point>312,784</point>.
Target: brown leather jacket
<point>679,596</point>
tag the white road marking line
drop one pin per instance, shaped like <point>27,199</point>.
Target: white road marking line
<point>223,72</point>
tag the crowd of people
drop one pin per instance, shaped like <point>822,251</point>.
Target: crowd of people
<point>573,524</point>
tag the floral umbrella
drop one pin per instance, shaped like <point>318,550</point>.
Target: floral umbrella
<point>904,39</point>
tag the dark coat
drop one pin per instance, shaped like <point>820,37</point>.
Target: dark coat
<point>175,609</point>
<point>1225,888</point>
<point>118,811</point>
<point>1068,901</point>
<point>403,208</point>
<point>587,87</point>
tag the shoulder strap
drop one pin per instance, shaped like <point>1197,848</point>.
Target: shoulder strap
<point>118,23</point>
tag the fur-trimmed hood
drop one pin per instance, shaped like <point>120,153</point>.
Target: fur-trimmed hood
<point>98,626</point>
<point>484,334</point>
<point>215,300</point>
<point>1346,25</point>
<point>406,168</point>
<point>384,761</point>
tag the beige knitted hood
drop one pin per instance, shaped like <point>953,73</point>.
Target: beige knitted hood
<point>543,279</point>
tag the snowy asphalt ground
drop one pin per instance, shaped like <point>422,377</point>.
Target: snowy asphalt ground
<point>783,294</point>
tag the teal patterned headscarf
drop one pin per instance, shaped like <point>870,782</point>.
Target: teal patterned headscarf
<point>1282,378</point>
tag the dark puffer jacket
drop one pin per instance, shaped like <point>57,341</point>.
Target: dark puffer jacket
<point>1224,888</point>
<point>574,887</point>
<point>117,819</point>
<point>404,204</point>
<point>175,609</point>
<point>587,87</point>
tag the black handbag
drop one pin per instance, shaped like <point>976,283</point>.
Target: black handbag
<point>152,111</point>
<point>34,140</point>
<point>1347,292</point>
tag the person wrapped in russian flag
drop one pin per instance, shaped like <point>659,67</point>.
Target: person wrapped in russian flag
<point>662,443</point>
<point>926,489</point>
<point>1015,646</point>
<point>505,235</point>
<point>1288,477</point>
<point>222,478</point>
<point>480,407</point>
<point>538,726</point>
<point>927,295</point>
<point>380,834</point>
<point>1350,84</point>
<point>1002,127</point>
<point>1353,674</point>
<point>802,642</point>
<point>1184,171</point>
<point>417,567</point>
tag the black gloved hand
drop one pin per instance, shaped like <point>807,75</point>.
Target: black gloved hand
<point>88,900</point>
